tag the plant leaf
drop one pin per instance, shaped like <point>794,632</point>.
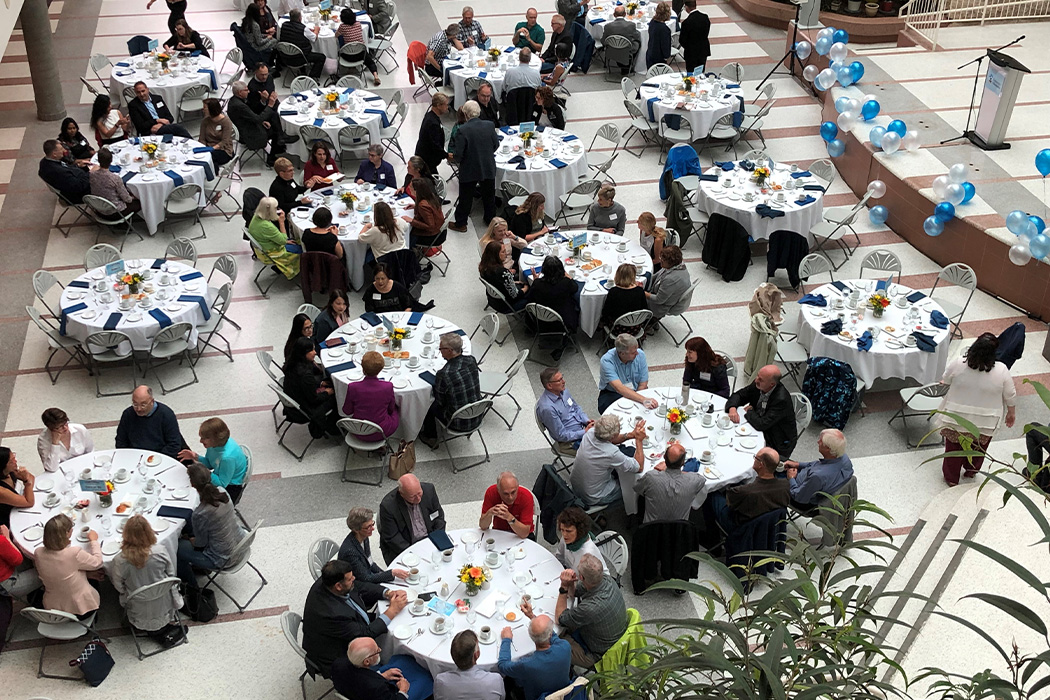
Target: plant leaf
<point>1021,613</point>
<point>974,628</point>
<point>1008,563</point>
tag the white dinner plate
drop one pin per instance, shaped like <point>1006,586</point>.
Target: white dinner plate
<point>749,442</point>
<point>410,560</point>
<point>743,430</point>
<point>73,296</point>
<point>159,525</point>
<point>403,632</point>
<point>110,547</point>
<point>153,460</point>
<point>519,553</point>
<point>180,494</point>
<point>44,483</point>
<point>97,275</point>
<point>400,383</point>
<point>191,286</point>
<point>534,590</point>
<point>33,534</point>
<point>135,317</point>
<point>88,315</point>
<point>173,307</point>
<point>336,352</point>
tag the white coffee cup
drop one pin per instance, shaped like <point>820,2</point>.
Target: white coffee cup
<point>492,558</point>
<point>52,499</point>
<point>485,634</point>
<point>781,196</point>
<point>151,484</point>
<point>706,456</point>
<point>84,531</point>
<point>85,474</point>
<point>439,625</point>
<point>417,605</point>
<point>446,556</point>
<point>413,575</point>
<point>428,337</point>
<point>122,473</point>
<point>490,545</point>
<point>413,361</point>
<point>707,420</point>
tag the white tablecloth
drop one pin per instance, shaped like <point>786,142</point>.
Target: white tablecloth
<point>350,222</point>
<point>502,596</point>
<point>605,12</point>
<point>168,87</point>
<point>701,114</point>
<point>883,361</point>
<point>174,490</point>
<point>592,298</point>
<point>468,62</point>
<point>731,462</point>
<point>326,42</point>
<point>539,174</point>
<point>412,393</point>
<point>137,323</point>
<point>306,103</point>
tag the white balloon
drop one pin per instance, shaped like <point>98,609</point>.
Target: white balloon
<point>838,52</point>
<point>855,105</point>
<point>803,49</point>
<point>891,141</point>
<point>877,189</point>
<point>1019,254</point>
<point>846,121</point>
<point>911,141</point>
<point>958,173</point>
<point>826,31</point>
<point>940,186</point>
<point>869,98</point>
<point>810,72</point>
<point>827,78</point>
<point>955,194</point>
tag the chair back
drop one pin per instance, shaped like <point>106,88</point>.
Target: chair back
<point>544,314</point>
<point>138,44</point>
<point>629,89</point>
<point>182,248</point>
<point>731,370</point>
<point>43,281</point>
<point>310,134</point>
<point>354,136</point>
<point>635,112</point>
<point>223,299</point>
<point>291,55</point>
<point>103,210</point>
<point>128,94</point>
<point>590,187</point>
<point>183,192</point>
<point>242,551</point>
<point>100,254</point>
<point>823,169</point>
<point>250,202</point>
<point>881,261</point>
<point>352,54</point>
<point>290,405</point>
<point>98,61</point>
<point>732,71</point>
<point>471,411</point>
<point>958,274</point>
<point>803,411</point>
<point>273,371</point>
<point>195,92</point>
<point>109,341</point>
<point>303,83</point>
<point>513,189</point>
<point>658,69</point>
<point>208,43</point>
<point>309,309</point>
<point>174,332</point>
<point>358,428</point>
<point>227,265</point>
<point>44,616</point>
<point>608,132</point>
<point>34,315</point>
<point>322,551</point>
<point>471,86</point>
<point>614,550</point>
<point>158,590</point>
<point>755,154</point>
<point>516,366</point>
<point>496,299</point>
<point>767,92</point>
<point>685,300</point>
<point>617,51</point>
<point>633,318</point>
<point>348,81</point>
<point>234,56</point>
<point>815,264</point>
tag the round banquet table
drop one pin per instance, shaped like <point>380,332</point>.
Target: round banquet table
<point>490,605</point>
<point>733,450</point>
<point>465,65</point>
<point>888,358</point>
<point>716,198</point>
<point>325,41</point>
<point>300,109</point>
<point>169,87</point>
<point>604,248</point>
<point>152,186</point>
<point>174,490</point>
<point>350,222</point>
<point>604,14</point>
<point>701,113</point>
<point>413,394</point>
<point>136,323</point>
<point>540,174</point>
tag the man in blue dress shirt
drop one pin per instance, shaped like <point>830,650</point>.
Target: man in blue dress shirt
<point>542,671</point>
<point>563,418</point>
<point>624,373</point>
<point>825,475</point>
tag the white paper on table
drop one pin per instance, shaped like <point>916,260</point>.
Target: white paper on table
<point>495,600</point>
<point>695,429</point>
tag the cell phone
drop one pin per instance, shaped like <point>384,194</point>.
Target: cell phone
<point>426,596</point>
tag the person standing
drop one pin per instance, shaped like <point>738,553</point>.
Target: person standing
<point>659,49</point>
<point>693,37</point>
<point>475,152</point>
<point>176,10</point>
<point>430,145</point>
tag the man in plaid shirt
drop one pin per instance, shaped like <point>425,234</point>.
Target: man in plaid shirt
<point>470,32</point>
<point>456,385</point>
<point>438,48</point>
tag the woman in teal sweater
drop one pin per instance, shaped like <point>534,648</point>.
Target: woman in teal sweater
<point>223,456</point>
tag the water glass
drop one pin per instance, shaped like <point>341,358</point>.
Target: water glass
<point>472,617</point>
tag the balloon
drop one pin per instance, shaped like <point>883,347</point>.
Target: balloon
<point>836,148</point>
<point>890,142</point>
<point>844,76</point>
<point>1042,162</point>
<point>835,65</point>
<point>1029,232</point>
<point>1040,225</point>
<point>1017,221</point>
<point>857,68</point>
<point>955,193</point>
<point>823,45</point>
<point>842,105</point>
<point>841,36</point>
<point>838,52</point>
<point>932,227</point>
<point>818,85</point>
<point>911,141</point>
<point>828,131</point>
<point>870,110</point>
<point>944,212</point>
<point>810,72</point>
<point>803,49</point>
<point>898,127</point>
<point>846,121</point>
<point>878,214</point>
<point>826,78</point>
<point>969,191</point>
<point>826,32</point>
<point>1040,246</point>
<point>875,136</point>
<point>1019,254</point>
<point>869,98</point>
<point>940,186</point>
<point>958,173</point>
<point>877,189</point>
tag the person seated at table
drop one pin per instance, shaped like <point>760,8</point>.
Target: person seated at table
<point>556,410</point>
<point>623,373</point>
<point>217,132</point>
<point>74,141</point>
<point>261,87</point>
<point>547,111</point>
<point>216,530</point>
<point>509,507</point>
<point>351,31</point>
<point>769,409</point>
<point>256,128</point>
<point>18,579</point>
<point>150,115</point>
<point>302,327</point>
<point>437,50</point>
<point>319,167</point>
<point>600,458</point>
<point>375,170</point>
<point>529,34</point>
<point>293,31</point>
<point>598,618</point>
<point>382,13</point>
<point>761,495</point>
<point>705,369</point>
<point>372,399</point>
<point>528,220</point>
<point>828,474</point>
<point>469,32</point>
<point>606,214</point>
<point>488,105</point>
<point>659,48</point>
<point>669,283</point>
<point>322,237</point>
<point>184,38</point>
<point>258,38</point>
<point>10,476</point>
<point>427,218</point>
<point>63,568</point>
<point>311,388</point>
<point>499,232</point>
<point>558,292</point>
<point>468,681</point>
<point>288,193</point>
<point>386,234</point>
<point>456,385</point>
<point>560,34</point>
<point>493,268</point>
<point>540,672</point>
<point>575,539</point>
<point>669,492</point>
<point>107,121</point>
<point>386,294</point>
<point>562,66</point>
<point>621,26</point>
<point>356,549</point>
<point>626,296</point>
<point>140,562</point>
<point>407,514</point>
<point>72,181</point>
<point>109,186</point>
<point>149,425</point>
<point>61,440</point>
<point>356,675</point>
<point>650,236</point>
<point>522,74</point>
<point>332,317</point>
<point>267,229</point>
<point>222,456</point>
<point>415,167</point>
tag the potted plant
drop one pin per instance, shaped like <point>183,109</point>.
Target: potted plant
<point>871,9</point>
<point>836,5</point>
<point>853,7</point>
<point>888,7</point>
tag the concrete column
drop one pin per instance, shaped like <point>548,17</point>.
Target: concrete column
<point>36,29</point>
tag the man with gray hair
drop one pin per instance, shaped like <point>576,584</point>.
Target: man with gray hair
<point>456,384</point>
<point>623,372</point>
<point>523,74</point>
<point>408,514</point>
<point>475,152</point>
<point>256,128</point>
<point>669,492</point>
<point>599,460</point>
<point>468,682</point>
<point>767,406</point>
<point>825,475</point>
<point>355,675</point>
<point>599,617</point>
<point>149,425</point>
<point>470,31</point>
<point>542,671</point>
<point>375,170</point>
<point>556,410</point>
<point>488,108</point>
<point>508,507</point>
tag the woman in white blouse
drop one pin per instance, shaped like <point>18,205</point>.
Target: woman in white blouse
<point>61,440</point>
<point>575,541</point>
<point>980,390</point>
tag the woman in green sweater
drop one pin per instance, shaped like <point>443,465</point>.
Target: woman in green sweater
<point>267,229</point>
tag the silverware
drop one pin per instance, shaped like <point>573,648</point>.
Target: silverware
<point>33,512</point>
<point>164,470</point>
<point>28,528</point>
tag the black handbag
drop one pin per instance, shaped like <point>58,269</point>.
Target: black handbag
<point>201,604</point>
<point>95,662</point>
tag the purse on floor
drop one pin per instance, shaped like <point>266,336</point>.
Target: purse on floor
<point>402,460</point>
<point>95,662</point>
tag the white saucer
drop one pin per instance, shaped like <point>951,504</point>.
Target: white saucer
<point>498,564</point>
<point>149,177</point>
<point>153,461</point>
<point>749,443</point>
<point>45,483</point>
<point>422,613</point>
<point>97,275</point>
<point>448,626</point>
<point>403,632</point>
<point>336,352</point>
<point>116,480</point>
<point>81,538</point>
<point>73,296</point>
<point>33,534</point>
<point>88,315</point>
<point>519,553</point>
<point>534,590</point>
<point>159,525</point>
<point>743,430</point>
<point>491,640</point>
<point>110,547</point>
<point>180,494</point>
<point>173,307</point>
<point>400,383</point>
<point>723,441</point>
<point>409,560</point>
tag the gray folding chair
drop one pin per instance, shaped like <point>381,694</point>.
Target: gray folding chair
<point>346,81</point>
<point>881,261</point>
<point>290,624</point>
<point>192,100</point>
<point>496,384</point>
<point>99,255</point>
<point>156,594</point>
<point>213,326</point>
<point>630,319</point>
<point>293,414</point>
<point>489,324</point>
<point>239,558</point>
<point>322,551</point>
<point>182,249</point>
<point>183,202</point>
<point>962,276</point>
<point>170,344</point>
<point>107,348</point>
<point>108,217</point>
<point>43,281</point>
<point>470,412</point>
<point>63,627</point>
<point>617,55</point>
<point>543,314</point>
<point>354,432</point>
<point>679,309</point>
<point>58,343</point>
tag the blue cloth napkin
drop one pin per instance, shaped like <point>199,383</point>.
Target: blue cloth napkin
<point>440,540</point>
<point>483,74</point>
<point>371,318</point>
<point>814,300</point>
<point>841,287</point>
<point>319,122</point>
<point>428,377</point>
<point>915,296</point>
<point>691,465</point>
<point>123,64</point>
<point>673,120</point>
<point>191,276</point>
<point>938,319</point>
<point>805,200</point>
<point>924,342</point>
<point>208,174</point>
<point>373,98</point>
<point>114,168</point>
<point>651,85</point>
<point>569,137</point>
<point>598,20</point>
<point>726,166</point>
<point>350,91</point>
<point>79,283</point>
<point>200,301</point>
<point>509,49</point>
<point>211,75</point>
<point>649,105</point>
<point>381,113</point>
<point>517,159</point>
<point>707,178</point>
<point>731,86</point>
<point>883,284</point>
<point>194,54</point>
<point>460,331</point>
<point>112,321</point>
<point>768,212</point>
<point>161,317</point>
<point>174,176</point>
<point>168,138</point>
<point>558,163</point>
<point>832,327</point>
<point>814,188</point>
<point>126,177</point>
<point>350,121</point>
<point>747,165</point>
<point>802,173</point>
<point>415,318</point>
<point>341,367</point>
<point>448,71</point>
<point>864,342</point>
<point>332,342</point>
<point>157,264</point>
<point>329,191</point>
<point>203,149</point>
<point>288,112</point>
<point>65,313</point>
<point>509,130</point>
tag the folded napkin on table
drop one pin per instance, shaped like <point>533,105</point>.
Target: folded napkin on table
<point>864,342</point>
<point>211,75</point>
<point>122,64</point>
<point>175,512</point>
<point>597,20</point>
<point>569,137</point>
<point>768,212</point>
<point>805,200</point>
<point>832,327</point>
<point>415,318</point>
<point>509,130</point>
<point>112,322</point>
<point>205,149</point>
<point>176,177</point>
<point>168,138</point>
<point>509,49</point>
<point>732,86</point>
<point>208,174</point>
<point>114,168</point>
<point>841,287</point>
<point>652,85</point>
<point>814,300</point>
<point>938,319</point>
<point>428,377</point>
<point>707,178</point>
<point>126,177</point>
<point>373,98</point>
<point>802,173</point>
<point>915,296</point>
<point>199,301</point>
<point>191,276</point>
<point>341,367</point>
<point>440,540</point>
<point>371,318</point>
<point>319,122</point>
<point>332,342</point>
<point>382,114</point>
<point>289,113</point>
<point>747,165</point>
<point>79,283</point>
<point>158,263</point>
<point>814,188</point>
<point>194,54</point>
<point>350,121</point>
<point>726,165</point>
<point>161,317</point>
<point>459,331</point>
<point>558,163</point>
<point>65,313</point>
<point>924,342</point>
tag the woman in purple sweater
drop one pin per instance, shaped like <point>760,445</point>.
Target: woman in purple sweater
<point>372,399</point>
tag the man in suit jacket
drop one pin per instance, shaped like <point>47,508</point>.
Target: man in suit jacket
<point>336,613</point>
<point>71,181</point>
<point>408,514</point>
<point>769,409</point>
<point>151,116</point>
<point>561,33</point>
<point>621,26</point>
<point>260,88</point>
<point>475,151</point>
<point>256,128</point>
<point>430,146</point>
<point>694,37</point>
<point>354,675</point>
<point>294,32</point>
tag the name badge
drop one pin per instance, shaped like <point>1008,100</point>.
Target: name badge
<point>434,515</point>
<point>568,401</point>
<point>612,217</point>
<point>705,376</point>
<point>329,167</point>
<point>218,127</point>
<point>382,176</point>
<point>377,297</point>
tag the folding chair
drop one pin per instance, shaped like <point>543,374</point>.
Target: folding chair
<point>566,461</point>
<point>916,402</point>
<point>293,61</point>
<point>303,83</point>
<point>81,210</point>
<point>212,327</point>
<point>107,216</point>
<point>613,548</point>
<point>293,414</point>
<point>642,126</point>
<point>881,261</point>
<point>238,559</point>
<point>815,264</point>
<point>388,135</point>
<point>273,371</point>
<point>639,319</point>
<point>495,385</point>
<point>346,81</point>
<point>169,344</point>
<point>184,202</point>
<point>322,551</point>
<point>501,307</point>
<point>679,309</point>
<point>962,276</point>
<point>576,201</point>
<point>100,254</point>
<point>112,347</point>
<point>97,62</point>
<point>155,593</point>
<point>192,101</point>
<point>543,314</point>
<point>59,626</point>
<point>383,44</point>
<point>609,133</point>
<point>354,430</point>
<point>57,343</point>
<point>472,411</point>
<point>43,281</point>
<point>181,249</point>
<point>290,624</point>
<point>489,323</point>
<point>658,69</point>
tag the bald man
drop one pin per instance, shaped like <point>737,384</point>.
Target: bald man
<point>408,514</point>
<point>149,425</point>
<point>767,406</point>
<point>508,507</point>
<point>669,492</point>
<point>542,671</point>
<point>355,675</point>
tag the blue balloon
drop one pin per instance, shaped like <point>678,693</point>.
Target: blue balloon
<point>932,227</point>
<point>823,45</point>
<point>875,136</point>
<point>870,110</point>
<point>1017,222</point>
<point>898,127</point>
<point>1040,246</point>
<point>1042,161</point>
<point>970,191</point>
<point>836,148</point>
<point>1040,225</point>
<point>829,130</point>
<point>818,86</point>
<point>857,68</point>
<point>841,104</point>
<point>944,212</point>
<point>878,214</point>
<point>845,77</point>
<point>1030,231</point>
<point>840,36</point>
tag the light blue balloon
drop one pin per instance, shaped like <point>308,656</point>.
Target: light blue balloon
<point>1017,222</point>
<point>1042,161</point>
<point>857,68</point>
<point>944,212</point>
<point>898,127</point>
<point>845,76</point>
<point>840,36</point>
<point>823,45</point>
<point>1040,225</point>
<point>1040,246</point>
<point>1030,231</point>
<point>870,110</point>
<point>841,104</point>
<point>836,148</point>
<point>970,191</point>
<point>818,86</point>
<point>875,136</point>
<point>878,214</point>
<point>932,227</point>
<point>829,130</point>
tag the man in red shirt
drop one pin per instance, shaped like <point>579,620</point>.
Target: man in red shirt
<point>508,507</point>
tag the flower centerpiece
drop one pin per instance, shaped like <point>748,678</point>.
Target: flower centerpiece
<point>527,137</point>
<point>325,14</point>
<point>676,417</point>
<point>162,59</point>
<point>688,82</point>
<point>348,199</point>
<point>632,7</point>
<point>494,55</point>
<point>397,336</point>
<point>105,498</point>
<point>473,577</point>
<point>133,280</point>
<point>331,100</point>
<point>760,174</point>
<point>878,303</point>
<point>150,149</point>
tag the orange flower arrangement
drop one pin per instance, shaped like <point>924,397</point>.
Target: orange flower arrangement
<point>474,577</point>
